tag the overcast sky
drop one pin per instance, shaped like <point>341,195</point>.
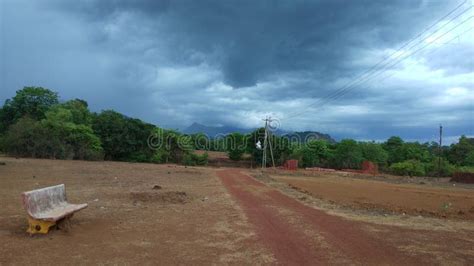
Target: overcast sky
<point>223,62</point>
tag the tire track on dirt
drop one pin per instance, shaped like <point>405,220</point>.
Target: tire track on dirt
<point>316,237</point>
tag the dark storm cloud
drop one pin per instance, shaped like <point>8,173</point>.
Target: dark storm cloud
<point>232,62</point>
<point>249,40</point>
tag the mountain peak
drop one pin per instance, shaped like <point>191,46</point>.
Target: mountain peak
<point>213,131</point>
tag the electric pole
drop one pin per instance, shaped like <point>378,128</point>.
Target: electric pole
<point>264,157</point>
<point>265,141</point>
<point>440,149</point>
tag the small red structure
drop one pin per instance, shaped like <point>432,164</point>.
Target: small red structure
<point>291,165</point>
<point>369,167</point>
<point>463,177</point>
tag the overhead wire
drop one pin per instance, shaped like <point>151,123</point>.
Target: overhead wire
<point>366,75</point>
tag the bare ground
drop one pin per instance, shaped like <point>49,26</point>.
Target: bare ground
<point>299,234</point>
<point>191,220</point>
<point>412,199</point>
<point>168,214</point>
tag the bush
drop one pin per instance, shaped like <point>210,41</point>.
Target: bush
<point>374,152</point>
<point>467,169</point>
<point>52,138</point>
<point>348,154</point>
<point>469,161</point>
<point>314,153</point>
<point>159,157</point>
<point>138,157</point>
<point>447,169</point>
<point>33,102</point>
<point>193,159</point>
<point>235,146</point>
<point>409,167</point>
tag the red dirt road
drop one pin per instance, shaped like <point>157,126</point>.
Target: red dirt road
<point>300,235</point>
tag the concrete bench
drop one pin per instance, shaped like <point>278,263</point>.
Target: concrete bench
<point>46,207</point>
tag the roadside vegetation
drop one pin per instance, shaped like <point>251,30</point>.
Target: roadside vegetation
<point>35,123</point>
<point>393,156</point>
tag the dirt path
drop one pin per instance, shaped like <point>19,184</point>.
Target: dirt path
<point>298,234</point>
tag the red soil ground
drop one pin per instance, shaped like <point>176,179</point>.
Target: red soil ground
<point>300,235</point>
<point>411,199</point>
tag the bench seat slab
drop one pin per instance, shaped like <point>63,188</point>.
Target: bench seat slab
<point>58,212</point>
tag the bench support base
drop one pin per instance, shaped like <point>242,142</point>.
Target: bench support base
<point>39,226</point>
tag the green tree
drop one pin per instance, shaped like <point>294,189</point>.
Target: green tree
<point>20,138</point>
<point>123,138</point>
<point>348,154</point>
<point>53,137</point>
<point>201,141</point>
<point>374,152</point>
<point>29,101</point>
<point>314,153</point>
<point>255,137</point>
<point>281,147</point>
<point>393,146</point>
<point>469,160</point>
<point>195,159</point>
<point>73,141</point>
<point>436,166</point>
<point>236,146</point>
<point>460,153</point>
<point>414,151</point>
<point>409,167</point>
<point>170,146</point>
<point>79,111</point>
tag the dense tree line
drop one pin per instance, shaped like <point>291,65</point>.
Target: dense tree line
<point>393,156</point>
<point>34,123</point>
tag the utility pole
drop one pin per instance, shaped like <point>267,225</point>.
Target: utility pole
<point>440,149</point>
<point>264,157</point>
<point>271,148</point>
<point>265,141</point>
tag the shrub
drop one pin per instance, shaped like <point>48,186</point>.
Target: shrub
<point>159,157</point>
<point>195,159</point>
<point>467,169</point>
<point>348,154</point>
<point>235,146</point>
<point>138,157</point>
<point>374,152</point>
<point>469,161</point>
<point>447,169</point>
<point>409,167</point>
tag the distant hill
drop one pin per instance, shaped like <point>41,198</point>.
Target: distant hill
<point>222,130</point>
<point>213,132</point>
<point>306,136</point>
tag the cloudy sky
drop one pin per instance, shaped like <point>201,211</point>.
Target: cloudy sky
<point>314,65</point>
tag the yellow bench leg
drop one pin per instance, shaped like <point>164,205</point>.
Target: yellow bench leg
<point>39,226</point>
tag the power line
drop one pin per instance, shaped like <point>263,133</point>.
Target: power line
<point>350,85</point>
<point>373,70</point>
<point>344,91</point>
<point>341,93</point>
